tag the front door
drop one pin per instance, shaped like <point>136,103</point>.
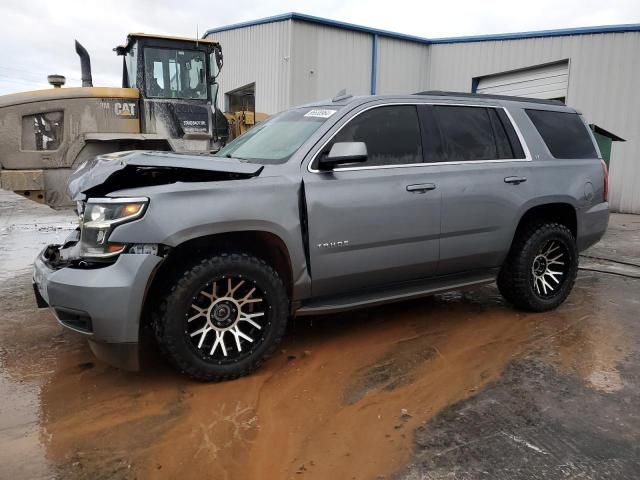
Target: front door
<point>376,223</point>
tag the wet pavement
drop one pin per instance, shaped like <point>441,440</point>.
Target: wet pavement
<point>456,386</point>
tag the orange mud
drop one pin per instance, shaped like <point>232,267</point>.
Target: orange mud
<point>341,398</point>
<point>343,394</point>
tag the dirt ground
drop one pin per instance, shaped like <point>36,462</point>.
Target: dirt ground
<point>456,386</point>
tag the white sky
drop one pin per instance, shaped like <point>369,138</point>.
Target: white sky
<point>37,35</point>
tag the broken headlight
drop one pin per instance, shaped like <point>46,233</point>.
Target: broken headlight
<point>101,216</point>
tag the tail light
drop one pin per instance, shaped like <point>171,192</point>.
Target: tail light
<point>605,190</point>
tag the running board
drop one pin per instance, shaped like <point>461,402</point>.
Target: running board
<point>410,291</point>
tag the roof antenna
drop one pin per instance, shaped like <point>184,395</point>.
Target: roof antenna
<point>341,95</point>
<point>197,35</point>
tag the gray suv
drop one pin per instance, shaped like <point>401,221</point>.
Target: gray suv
<point>337,205</point>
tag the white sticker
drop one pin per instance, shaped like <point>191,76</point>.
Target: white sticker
<point>320,113</point>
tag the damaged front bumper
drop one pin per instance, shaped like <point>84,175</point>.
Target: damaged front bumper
<point>104,303</point>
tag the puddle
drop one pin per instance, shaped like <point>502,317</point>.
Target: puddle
<point>598,332</point>
<point>20,425</point>
<point>25,229</point>
<point>395,369</point>
<point>345,393</point>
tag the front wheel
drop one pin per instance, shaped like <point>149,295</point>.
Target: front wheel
<point>223,317</point>
<point>541,268</point>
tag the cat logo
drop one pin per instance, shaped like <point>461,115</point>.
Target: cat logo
<point>125,109</point>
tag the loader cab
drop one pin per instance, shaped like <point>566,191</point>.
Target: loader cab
<point>176,78</point>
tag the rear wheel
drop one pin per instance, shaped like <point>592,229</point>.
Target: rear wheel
<point>541,268</point>
<point>223,317</point>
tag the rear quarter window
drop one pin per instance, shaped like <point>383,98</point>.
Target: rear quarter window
<point>564,133</point>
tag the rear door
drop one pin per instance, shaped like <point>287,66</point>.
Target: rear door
<point>376,223</point>
<point>484,183</point>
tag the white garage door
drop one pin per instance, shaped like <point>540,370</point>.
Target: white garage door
<point>546,81</point>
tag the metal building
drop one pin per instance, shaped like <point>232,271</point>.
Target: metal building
<point>277,62</point>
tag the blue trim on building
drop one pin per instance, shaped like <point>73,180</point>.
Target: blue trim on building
<point>320,21</point>
<point>251,23</point>
<point>562,32</point>
<point>374,63</point>
<point>633,27</point>
<point>475,81</point>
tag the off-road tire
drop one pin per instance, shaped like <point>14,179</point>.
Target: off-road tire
<point>515,280</point>
<point>169,320</point>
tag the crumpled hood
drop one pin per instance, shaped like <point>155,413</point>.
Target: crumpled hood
<point>101,169</point>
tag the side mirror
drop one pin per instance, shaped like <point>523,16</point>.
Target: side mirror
<point>343,153</point>
<point>219,58</point>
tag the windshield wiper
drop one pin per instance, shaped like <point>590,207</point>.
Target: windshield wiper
<point>228,155</point>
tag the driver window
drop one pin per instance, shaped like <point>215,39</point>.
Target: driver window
<point>391,133</point>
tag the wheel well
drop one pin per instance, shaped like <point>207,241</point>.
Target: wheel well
<point>267,246</point>
<point>562,213</point>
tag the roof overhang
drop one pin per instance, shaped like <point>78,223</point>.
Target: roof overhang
<point>634,27</point>
<point>606,133</point>
<point>133,37</point>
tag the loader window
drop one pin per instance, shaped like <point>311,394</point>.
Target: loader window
<point>42,131</point>
<point>131,64</point>
<point>158,76</point>
<point>175,73</point>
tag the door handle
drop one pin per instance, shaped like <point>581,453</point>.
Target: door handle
<point>421,187</point>
<point>515,180</point>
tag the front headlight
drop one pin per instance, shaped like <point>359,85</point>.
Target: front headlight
<point>101,216</point>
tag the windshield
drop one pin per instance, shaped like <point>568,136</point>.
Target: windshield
<point>174,73</point>
<point>275,140</point>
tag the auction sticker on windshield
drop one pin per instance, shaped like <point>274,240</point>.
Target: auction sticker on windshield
<point>320,113</point>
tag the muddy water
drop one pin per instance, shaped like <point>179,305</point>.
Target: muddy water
<point>26,335</point>
<point>341,398</point>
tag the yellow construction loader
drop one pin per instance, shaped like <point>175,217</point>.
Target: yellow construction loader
<point>167,102</point>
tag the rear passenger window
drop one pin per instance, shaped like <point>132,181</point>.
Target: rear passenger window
<point>467,133</point>
<point>391,133</point>
<point>516,147</point>
<point>502,140</point>
<point>564,133</point>
<point>477,133</point>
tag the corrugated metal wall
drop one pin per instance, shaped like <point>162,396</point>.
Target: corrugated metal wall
<point>604,71</point>
<point>260,54</point>
<point>294,62</point>
<point>324,60</point>
<point>403,66</point>
<point>547,81</point>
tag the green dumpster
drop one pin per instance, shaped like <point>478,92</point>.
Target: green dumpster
<point>605,139</point>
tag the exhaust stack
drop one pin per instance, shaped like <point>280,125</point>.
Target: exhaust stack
<point>85,65</point>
